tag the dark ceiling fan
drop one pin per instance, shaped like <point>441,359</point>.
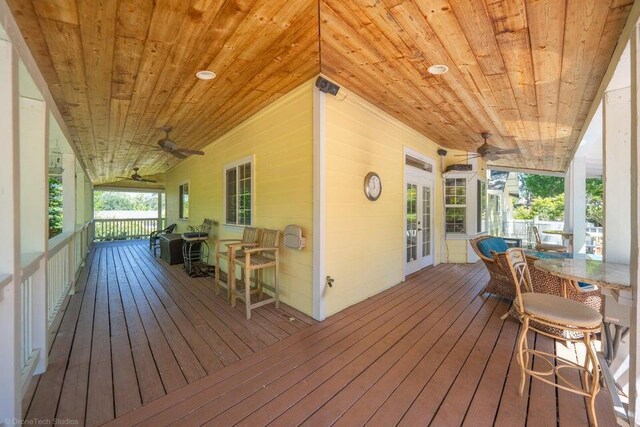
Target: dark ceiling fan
<point>490,152</point>
<point>168,145</point>
<point>136,177</point>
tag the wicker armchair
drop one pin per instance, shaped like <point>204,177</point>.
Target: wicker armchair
<point>546,283</point>
<point>500,281</point>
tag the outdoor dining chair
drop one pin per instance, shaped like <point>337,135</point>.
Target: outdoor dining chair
<point>535,309</point>
<point>546,247</point>
<point>155,236</point>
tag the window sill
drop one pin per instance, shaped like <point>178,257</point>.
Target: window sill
<point>236,227</point>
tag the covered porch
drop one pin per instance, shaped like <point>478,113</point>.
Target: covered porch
<point>138,332</point>
<point>366,129</point>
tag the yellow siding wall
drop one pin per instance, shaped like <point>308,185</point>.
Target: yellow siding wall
<point>364,239</point>
<point>281,139</point>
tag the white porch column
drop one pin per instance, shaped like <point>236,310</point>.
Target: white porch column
<point>616,169</point>
<point>575,203</point>
<point>69,192</point>
<point>10,395</point>
<point>634,182</point>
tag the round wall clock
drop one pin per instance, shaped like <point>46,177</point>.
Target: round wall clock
<point>372,186</point>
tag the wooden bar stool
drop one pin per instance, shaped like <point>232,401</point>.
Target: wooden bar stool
<point>227,249</point>
<point>265,255</point>
<point>537,310</point>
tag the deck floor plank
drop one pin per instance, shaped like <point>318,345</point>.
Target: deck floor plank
<point>143,342</point>
<point>114,347</point>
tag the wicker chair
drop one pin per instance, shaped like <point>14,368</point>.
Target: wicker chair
<point>500,282</point>
<point>546,283</point>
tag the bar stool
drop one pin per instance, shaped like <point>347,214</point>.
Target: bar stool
<point>265,255</point>
<point>226,249</point>
<point>556,312</point>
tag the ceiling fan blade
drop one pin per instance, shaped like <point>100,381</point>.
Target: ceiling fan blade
<point>145,180</point>
<point>145,145</point>
<point>509,151</point>
<point>188,151</point>
<point>177,154</point>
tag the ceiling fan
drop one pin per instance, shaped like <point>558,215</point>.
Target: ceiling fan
<point>168,145</point>
<point>136,177</point>
<point>490,152</point>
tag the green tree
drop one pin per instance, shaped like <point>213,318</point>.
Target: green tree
<point>594,201</point>
<point>55,206</point>
<point>119,201</point>
<point>542,185</point>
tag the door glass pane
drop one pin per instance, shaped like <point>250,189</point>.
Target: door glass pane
<point>426,221</point>
<point>412,222</point>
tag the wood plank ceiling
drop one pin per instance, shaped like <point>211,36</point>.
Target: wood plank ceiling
<point>525,70</point>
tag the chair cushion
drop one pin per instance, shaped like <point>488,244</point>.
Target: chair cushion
<point>497,244</point>
<point>560,310</point>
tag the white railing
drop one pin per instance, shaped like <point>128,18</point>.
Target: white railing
<point>126,228</point>
<point>66,254</point>
<point>31,265</point>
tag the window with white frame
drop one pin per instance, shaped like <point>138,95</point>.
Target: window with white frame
<point>455,205</point>
<point>238,192</point>
<point>183,191</point>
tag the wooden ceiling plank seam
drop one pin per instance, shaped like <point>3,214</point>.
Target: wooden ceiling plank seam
<point>284,43</point>
<point>428,95</point>
<point>185,20</point>
<point>223,53</point>
<point>289,49</point>
<point>547,39</point>
<point>478,30</point>
<point>514,46</point>
<point>180,53</point>
<point>582,18</point>
<point>134,20</point>
<point>616,19</point>
<point>72,78</point>
<point>476,105</point>
<point>397,88</point>
<point>98,33</point>
<point>368,93</point>
<point>209,47</point>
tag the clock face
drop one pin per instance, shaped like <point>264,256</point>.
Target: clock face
<point>372,186</point>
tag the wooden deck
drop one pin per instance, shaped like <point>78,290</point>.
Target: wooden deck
<point>138,329</point>
<point>430,351</point>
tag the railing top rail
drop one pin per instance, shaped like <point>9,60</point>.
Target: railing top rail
<point>56,243</point>
<point>126,219</point>
<point>29,263</point>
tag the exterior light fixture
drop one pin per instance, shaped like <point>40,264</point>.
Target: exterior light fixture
<point>206,75</point>
<point>438,69</point>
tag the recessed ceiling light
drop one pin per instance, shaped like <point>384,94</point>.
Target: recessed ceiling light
<point>438,69</point>
<point>206,75</point>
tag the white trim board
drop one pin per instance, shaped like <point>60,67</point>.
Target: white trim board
<point>319,203</point>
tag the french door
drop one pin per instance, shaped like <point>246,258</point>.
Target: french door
<point>418,223</point>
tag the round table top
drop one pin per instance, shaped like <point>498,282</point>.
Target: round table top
<point>604,274</point>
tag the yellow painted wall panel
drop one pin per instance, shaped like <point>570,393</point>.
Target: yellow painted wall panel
<point>364,239</point>
<point>280,137</point>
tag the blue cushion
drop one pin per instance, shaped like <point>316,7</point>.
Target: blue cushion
<point>493,244</point>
